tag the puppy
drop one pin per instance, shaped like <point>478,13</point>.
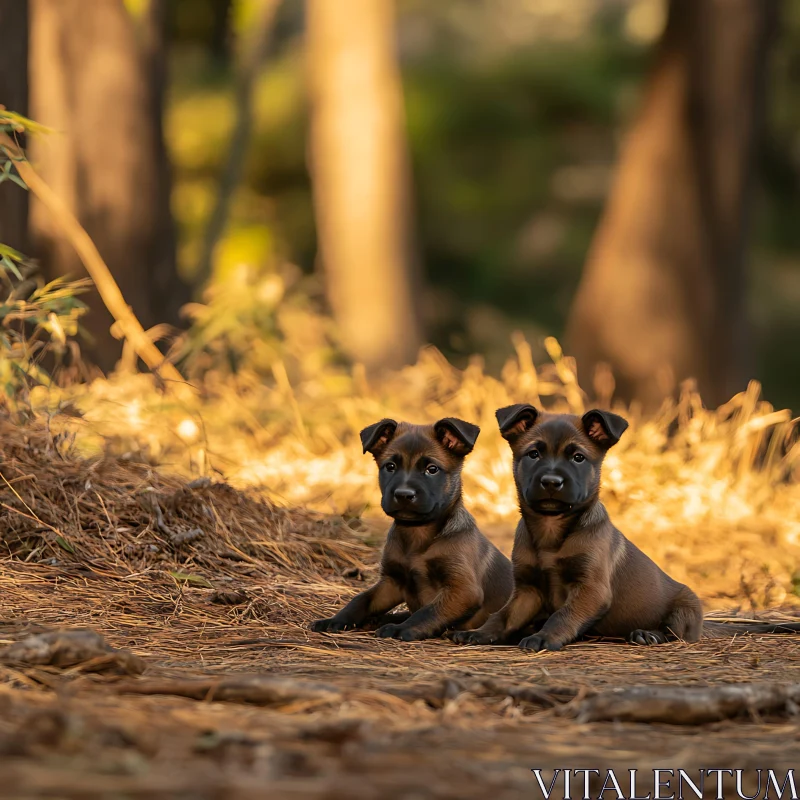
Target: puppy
<point>573,570</point>
<point>435,560</point>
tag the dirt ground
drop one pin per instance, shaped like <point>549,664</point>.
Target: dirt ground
<point>213,590</point>
<point>381,719</point>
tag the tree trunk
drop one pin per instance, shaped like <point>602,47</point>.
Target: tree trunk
<point>220,29</point>
<point>14,96</point>
<point>98,85</point>
<point>168,292</point>
<point>360,172</point>
<point>663,292</point>
<point>254,46</point>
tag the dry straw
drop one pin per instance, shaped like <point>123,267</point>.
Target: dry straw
<point>710,494</point>
<point>119,519</point>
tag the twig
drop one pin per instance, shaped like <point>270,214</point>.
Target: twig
<point>682,705</point>
<point>95,265</point>
<point>259,690</point>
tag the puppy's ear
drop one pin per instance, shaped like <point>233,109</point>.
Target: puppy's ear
<point>375,437</point>
<point>456,435</point>
<point>515,420</point>
<point>603,427</point>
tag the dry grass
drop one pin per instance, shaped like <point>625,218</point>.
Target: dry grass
<point>711,494</point>
<point>120,520</point>
<point>119,517</point>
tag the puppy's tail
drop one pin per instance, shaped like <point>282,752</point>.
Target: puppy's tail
<point>723,630</point>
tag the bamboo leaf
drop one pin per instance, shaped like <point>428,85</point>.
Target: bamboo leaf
<point>10,119</point>
<point>195,580</point>
<point>16,179</point>
<point>10,252</point>
<point>10,266</point>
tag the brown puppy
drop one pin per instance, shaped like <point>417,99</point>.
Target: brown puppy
<point>435,559</point>
<point>573,570</point>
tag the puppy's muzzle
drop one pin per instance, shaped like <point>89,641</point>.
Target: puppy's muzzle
<point>405,495</point>
<point>548,495</point>
<point>551,484</point>
<point>404,504</point>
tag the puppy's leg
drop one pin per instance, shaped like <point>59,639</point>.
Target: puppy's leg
<point>450,607</point>
<point>473,623</point>
<point>684,621</point>
<point>585,604</point>
<point>378,599</point>
<point>519,611</point>
<point>393,616</point>
<point>686,618</point>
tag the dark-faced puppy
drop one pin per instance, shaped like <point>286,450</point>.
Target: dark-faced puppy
<point>435,559</point>
<point>573,570</point>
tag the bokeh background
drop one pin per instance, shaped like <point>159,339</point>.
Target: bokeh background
<point>623,175</point>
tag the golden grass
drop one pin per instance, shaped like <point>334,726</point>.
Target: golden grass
<point>712,495</point>
<point>119,520</point>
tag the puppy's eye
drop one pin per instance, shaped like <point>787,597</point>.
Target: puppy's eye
<point>390,466</point>
<point>579,458</point>
<point>534,454</point>
<point>431,469</point>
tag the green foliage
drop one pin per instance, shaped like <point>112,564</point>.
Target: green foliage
<point>12,124</point>
<point>36,319</point>
<point>7,175</point>
<point>251,321</point>
<point>502,151</point>
<point>10,259</point>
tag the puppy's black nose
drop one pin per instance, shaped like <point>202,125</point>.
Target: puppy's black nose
<point>551,482</point>
<point>405,494</point>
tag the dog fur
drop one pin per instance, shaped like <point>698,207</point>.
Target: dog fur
<point>574,572</point>
<point>435,559</point>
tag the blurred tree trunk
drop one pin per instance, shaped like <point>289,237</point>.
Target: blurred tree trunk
<point>220,29</point>
<point>253,50</point>
<point>14,96</point>
<point>663,292</point>
<point>360,173</point>
<point>98,82</point>
<point>169,293</point>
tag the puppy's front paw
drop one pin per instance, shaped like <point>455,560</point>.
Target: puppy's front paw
<point>331,625</point>
<point>389,631</point>
<point>402,632</point>
<point>474,637</point>
<point>410,635</point>
<point>647,638</point>
<point>537,643</point>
